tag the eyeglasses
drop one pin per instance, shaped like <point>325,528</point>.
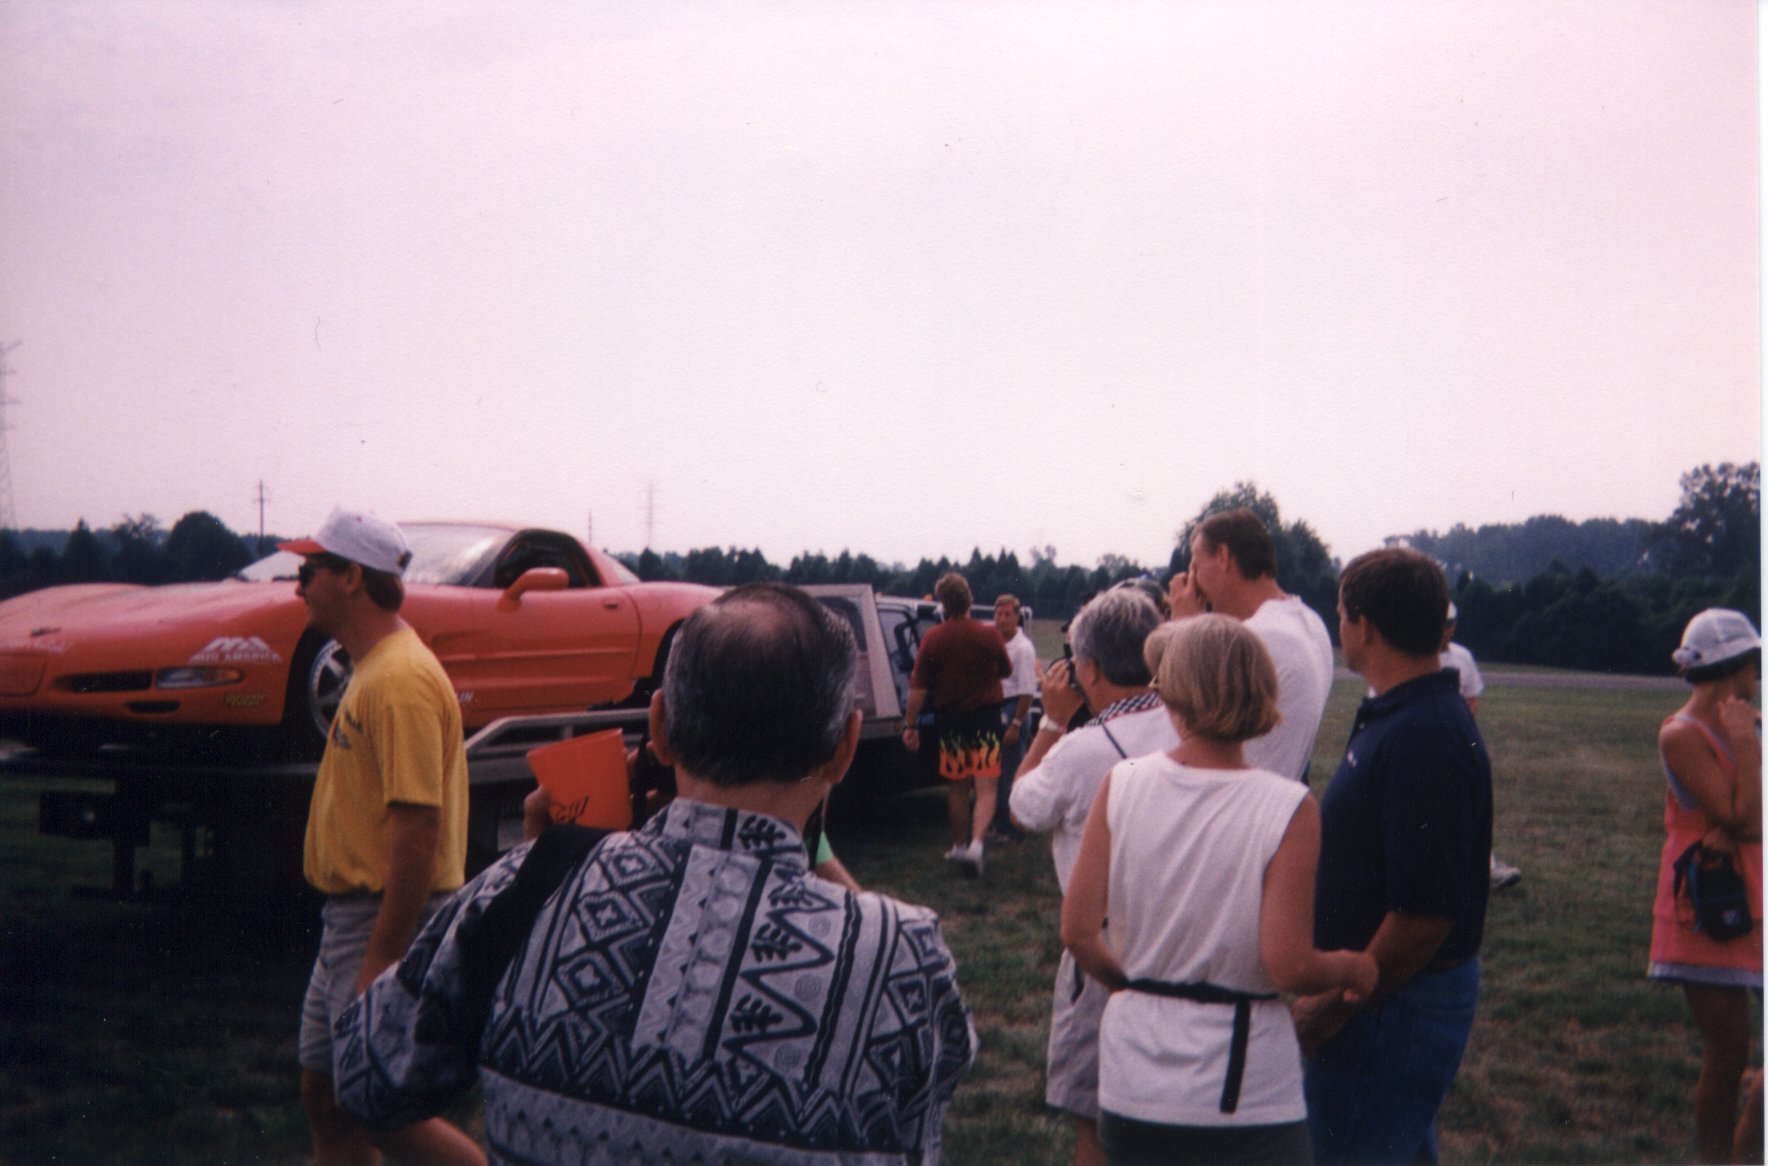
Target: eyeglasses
<point>316,563</point>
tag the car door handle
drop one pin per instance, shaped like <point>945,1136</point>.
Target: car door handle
<point>612,604</point>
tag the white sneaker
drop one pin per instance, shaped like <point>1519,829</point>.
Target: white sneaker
<point>1504,875</point>
<point>970,857</point>
<point>955,854</point>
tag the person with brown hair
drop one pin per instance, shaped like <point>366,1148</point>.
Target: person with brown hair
<point>1405,847</point>
<point>1234,572</point>
<point>1711,750</point>
<point>386,836</point>
<point>958,673</point>
<point>1205,868</point>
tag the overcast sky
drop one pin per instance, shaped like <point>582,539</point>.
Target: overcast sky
<point>905,278</point>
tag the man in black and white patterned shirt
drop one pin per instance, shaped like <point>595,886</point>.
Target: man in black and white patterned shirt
<point>694,992</point>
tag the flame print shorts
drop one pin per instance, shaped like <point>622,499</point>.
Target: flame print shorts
<point>970,744</point>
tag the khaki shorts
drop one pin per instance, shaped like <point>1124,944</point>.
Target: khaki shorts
<point>349,922</point>
<point>1073,1074</point>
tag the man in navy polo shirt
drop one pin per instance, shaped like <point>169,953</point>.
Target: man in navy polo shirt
<point>1405,838</point>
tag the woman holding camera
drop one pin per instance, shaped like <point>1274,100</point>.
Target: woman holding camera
<point>1712,756</point>
<point>1206,871</point>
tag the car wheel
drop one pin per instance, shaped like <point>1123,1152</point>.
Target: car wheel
<point>316,688</point>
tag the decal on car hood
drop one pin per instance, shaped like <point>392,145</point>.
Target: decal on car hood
<point>236,650</point>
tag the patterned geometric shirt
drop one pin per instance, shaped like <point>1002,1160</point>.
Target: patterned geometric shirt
<point>693,993</point>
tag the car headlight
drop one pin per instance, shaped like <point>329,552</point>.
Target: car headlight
<point>196,677</point>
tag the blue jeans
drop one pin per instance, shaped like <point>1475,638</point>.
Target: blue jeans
<point>1010,758</point>
<point>1374,1089</point>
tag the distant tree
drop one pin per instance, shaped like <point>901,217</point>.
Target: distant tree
<point>806,567</point>
<point>707,565</point>
<point>1304,566</point>
<point>13,559</point>
<point>137,556</point>
<point>1717,528</point>
<point>652,568</point>
<point>43,570</point>
<point>1513,552</point>
<point>201,548</point>
<point>751,567</point>
<point>83,558</point>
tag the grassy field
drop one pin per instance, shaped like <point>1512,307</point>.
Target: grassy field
<point>164,1031</point>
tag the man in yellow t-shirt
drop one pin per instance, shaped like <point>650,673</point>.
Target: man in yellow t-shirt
<point>386,835</point>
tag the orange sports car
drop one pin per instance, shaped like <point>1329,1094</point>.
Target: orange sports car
<point>524,620</point>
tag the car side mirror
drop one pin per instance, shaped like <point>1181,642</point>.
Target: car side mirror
<point>533,579</point>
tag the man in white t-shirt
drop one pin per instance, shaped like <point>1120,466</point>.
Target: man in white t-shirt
<point>1234,572</point>
<point>1472,684</point>
<point>1016,693</point>
<point>1061,773</point>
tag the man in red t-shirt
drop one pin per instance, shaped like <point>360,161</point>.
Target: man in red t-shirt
<point>959,669</point>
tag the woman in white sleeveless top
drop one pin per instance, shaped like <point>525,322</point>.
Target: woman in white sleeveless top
<point>1205,869</point>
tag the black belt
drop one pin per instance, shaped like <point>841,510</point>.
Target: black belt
<point>1212,994</point>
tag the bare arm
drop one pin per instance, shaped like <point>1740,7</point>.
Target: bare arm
<point>1403,946</point>
<point>1021,710</point>
<point>832,870</point>
<point>1286,919</point>
<point>1742,725</point>
<point>1083,908</point>
<point>911,713</point>
<point>1735,807</point>
<point>414,839</point>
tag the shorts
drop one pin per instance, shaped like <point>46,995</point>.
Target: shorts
<point>1072,1077</point>
<point>969,743</point>
<point>348,923</point>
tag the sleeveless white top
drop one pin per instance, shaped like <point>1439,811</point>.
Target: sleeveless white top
<point>1189,848</point>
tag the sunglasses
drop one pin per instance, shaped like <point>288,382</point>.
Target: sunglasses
<point>314,564</point>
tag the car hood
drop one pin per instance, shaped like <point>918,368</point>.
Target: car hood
<point>55,617</point>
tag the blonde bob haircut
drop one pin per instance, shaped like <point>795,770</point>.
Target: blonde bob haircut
<point>1215,677</point>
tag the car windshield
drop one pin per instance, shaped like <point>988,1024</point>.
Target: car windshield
<point>440,553</point>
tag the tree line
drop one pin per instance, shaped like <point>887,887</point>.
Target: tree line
<point>198,548</point>
<point>1610,595</point>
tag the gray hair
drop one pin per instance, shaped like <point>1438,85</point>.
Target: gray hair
<point>759,687</point>
<point>1110,631</point>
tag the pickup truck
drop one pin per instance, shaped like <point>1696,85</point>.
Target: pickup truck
<point>888,629</point>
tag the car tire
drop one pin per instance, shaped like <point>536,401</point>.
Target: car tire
<point>317,680</point>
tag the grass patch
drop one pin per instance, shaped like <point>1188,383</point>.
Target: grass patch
<point>164,1031</point>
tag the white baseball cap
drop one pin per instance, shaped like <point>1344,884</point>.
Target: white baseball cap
<point>1714,636</point>
<point>359,537</point>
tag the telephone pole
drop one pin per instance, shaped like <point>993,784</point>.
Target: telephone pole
<point>261,499</point>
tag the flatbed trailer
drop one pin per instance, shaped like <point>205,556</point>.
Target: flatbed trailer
<point>241,824</point>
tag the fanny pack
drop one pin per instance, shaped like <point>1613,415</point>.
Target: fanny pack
<point>1716,893</point>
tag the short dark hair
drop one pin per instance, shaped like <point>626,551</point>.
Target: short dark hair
<point>1724,668</point>
<point>953,593</point>
<point>1247,538</point>
<point>758,687</point>
<point>1400,591</point>
<point>384,588</point>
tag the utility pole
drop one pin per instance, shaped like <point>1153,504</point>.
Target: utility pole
<point>8,514</point>
<point>261,499</point>
<point>589,528</point>
<point>650,514</point>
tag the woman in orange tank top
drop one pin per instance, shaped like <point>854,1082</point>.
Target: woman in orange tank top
<point>1712,756</point>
